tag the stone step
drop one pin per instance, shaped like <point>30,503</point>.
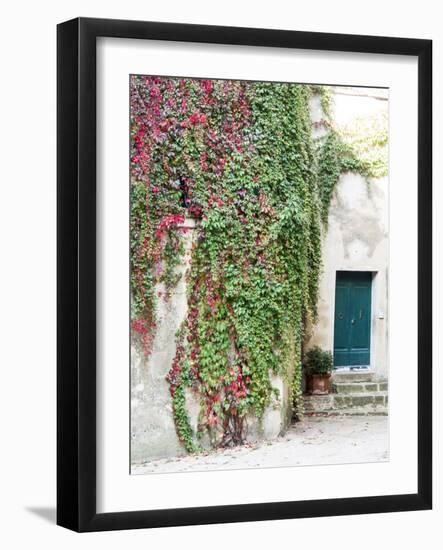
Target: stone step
<point>318,403</point>
<point>354,411</point>
<point>356,403</point>
<point>353,376</point>
<point>359,387</point>
<point>362,399</point>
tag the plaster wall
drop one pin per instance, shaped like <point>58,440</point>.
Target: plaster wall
<point>153,433</point>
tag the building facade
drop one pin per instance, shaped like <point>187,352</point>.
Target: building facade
<point>353,300</point>
<point>352,308</point>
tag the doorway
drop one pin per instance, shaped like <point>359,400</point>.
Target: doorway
<point>352,320</point>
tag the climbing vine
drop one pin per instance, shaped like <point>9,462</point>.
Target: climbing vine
<point>239,159</point>
<point>360,148</point>
<point>337,157</point>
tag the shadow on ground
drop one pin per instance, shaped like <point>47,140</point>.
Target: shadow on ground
<point>46,513</point>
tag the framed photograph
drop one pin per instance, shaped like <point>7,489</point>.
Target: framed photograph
<point>244,274</point>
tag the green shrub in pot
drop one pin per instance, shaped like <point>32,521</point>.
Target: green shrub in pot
<point>318,366</point>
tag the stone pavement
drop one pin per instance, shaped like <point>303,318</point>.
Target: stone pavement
<point>314,441</point>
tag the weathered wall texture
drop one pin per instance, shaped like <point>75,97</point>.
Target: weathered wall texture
<point>153,432</point>
<point>357,235</point>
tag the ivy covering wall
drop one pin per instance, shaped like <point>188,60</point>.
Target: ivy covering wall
<point>238,158</point>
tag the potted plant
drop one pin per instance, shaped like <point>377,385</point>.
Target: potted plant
<point>318,366</point>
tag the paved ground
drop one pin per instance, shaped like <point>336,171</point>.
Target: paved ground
<point>332,440</point>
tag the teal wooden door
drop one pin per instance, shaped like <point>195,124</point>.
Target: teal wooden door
<point>352,322</point>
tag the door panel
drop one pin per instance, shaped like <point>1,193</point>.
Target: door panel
<point>341,339</point>
<point>352,328</point>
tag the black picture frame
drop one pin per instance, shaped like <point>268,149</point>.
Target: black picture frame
<point>76,278</point>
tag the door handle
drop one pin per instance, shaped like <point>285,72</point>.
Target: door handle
<point>352,321</point>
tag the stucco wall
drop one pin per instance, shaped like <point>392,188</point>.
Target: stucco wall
<point>153,433</point>
<point>357,236</point>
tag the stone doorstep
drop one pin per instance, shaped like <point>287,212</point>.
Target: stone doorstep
<point>347,404</point>
<point>352,376</point>
<point>318,403</point>
<point>360,399</point>
<point>358,387</point>
<point>356,411</point>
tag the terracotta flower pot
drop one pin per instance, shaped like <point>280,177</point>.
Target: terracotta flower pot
<point>318,384</point>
